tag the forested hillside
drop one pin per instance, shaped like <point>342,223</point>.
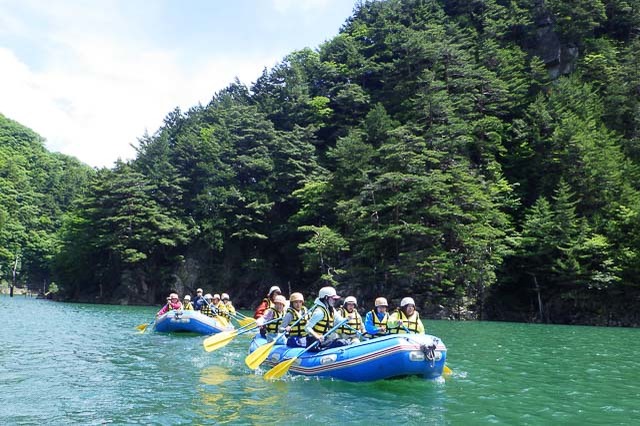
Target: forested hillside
<point>36,189</point>
<point>481,156</point>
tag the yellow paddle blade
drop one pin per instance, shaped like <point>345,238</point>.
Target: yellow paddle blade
<point>244,322</point>
<point>279,370</point>
<point>255,358</point>
<point>142,327</point>
<point>219,340</point>
<point>223,321</point>
<point>447,371</point>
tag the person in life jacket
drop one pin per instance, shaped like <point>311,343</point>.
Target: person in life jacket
<point>173,304</point>
<point>406,319</point>
<point>266,303</point>
<point>322,319</point>
<point>227,304</point>
<point>375,322</point>
<point>207,308</point>
<point>355,324</point>
<point>220,307</point>
<point>274,313</point>
<point>294,322</point>
<point>198,302</point>
<point>186,303</point>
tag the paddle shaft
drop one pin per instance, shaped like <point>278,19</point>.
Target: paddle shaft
<point>276,372</point>
<point>255,358</point>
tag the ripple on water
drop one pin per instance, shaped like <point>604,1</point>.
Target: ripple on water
<point>86,364</point>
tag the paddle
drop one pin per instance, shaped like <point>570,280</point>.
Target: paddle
<point>143,327</point>
<point>358,332</point>
<point>223,338</point>
<point>255,358</point>
<point>243,320</point>
<point>281,368</point>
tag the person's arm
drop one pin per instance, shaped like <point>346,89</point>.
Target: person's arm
<point>163,311</point>
<point>369,325</point>
<point>268,316</point>
<point>361,322</point>
<point>316,317</point>
<point>285,322</point>
<point>394,321</point>
<point>420,325</point>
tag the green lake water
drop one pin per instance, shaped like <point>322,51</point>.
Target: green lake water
<point>63,363</point>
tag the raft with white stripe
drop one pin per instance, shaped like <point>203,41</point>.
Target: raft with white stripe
<point>385,357</point>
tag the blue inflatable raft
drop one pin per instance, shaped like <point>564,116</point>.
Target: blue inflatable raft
<point>395,355</point>
<point>191,322</point>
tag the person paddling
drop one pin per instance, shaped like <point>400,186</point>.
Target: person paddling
<point>296,314</point>
<point>375,322</point>
<point>322,319</point>
<point>227,304</point>
<point>406,319</point>
<point>220,307</point>
<point>198,302</point>
<point>355,324</point>
<point>270,330</point>
<point>173,304</point>
<point>208,309</point>
<point>187,303</point>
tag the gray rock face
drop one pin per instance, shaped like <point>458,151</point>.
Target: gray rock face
<point>560,59</point>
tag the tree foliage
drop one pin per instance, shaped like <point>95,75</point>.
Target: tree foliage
<point>443,149</point>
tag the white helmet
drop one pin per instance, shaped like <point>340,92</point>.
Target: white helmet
<point>224,296</point>
<point>407,301</point>
<point>207,296</point>
<point>274,288</point>
<point>187,297</point>
<point>351,299</point>
<point>216,296</point>
<point>280,299</point>
<point>381,301</point>
<point>328,292</point>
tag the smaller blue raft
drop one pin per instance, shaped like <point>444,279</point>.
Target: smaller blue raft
<point>191,322</point>
<point>396,355</point>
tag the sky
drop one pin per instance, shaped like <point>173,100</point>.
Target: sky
<point>92,76</point>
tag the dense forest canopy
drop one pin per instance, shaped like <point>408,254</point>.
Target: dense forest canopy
<point>481,156</point>
<point>37,188</point>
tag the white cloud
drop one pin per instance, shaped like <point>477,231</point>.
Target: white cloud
<point>105,95</point>
<point>89,79</point>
